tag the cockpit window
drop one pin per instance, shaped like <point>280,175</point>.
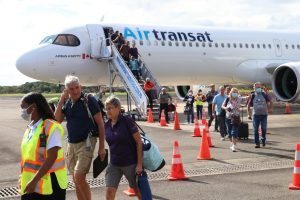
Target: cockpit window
<point>67,40</point>
<point>48,39</point>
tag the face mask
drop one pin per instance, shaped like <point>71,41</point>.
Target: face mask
<point>25,115</point>
<point>234,94</point>
<point>190,94</point>
<point>258,90</point>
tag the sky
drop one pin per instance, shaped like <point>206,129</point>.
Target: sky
<point>26,22</point>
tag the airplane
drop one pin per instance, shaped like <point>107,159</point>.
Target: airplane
<point>181,56</point>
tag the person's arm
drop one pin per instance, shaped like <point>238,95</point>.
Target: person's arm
<point>99,121</point>
<point>137,138</point>
<point>51,157</point>
<point>59,116</point>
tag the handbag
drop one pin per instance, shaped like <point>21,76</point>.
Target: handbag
<point>144,186</point>
<point>235,119</point>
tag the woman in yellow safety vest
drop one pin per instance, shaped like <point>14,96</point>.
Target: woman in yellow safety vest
<point>43,171</point>
<point>199,99</point>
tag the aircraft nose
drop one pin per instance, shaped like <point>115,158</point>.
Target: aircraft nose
<point>26,63</point>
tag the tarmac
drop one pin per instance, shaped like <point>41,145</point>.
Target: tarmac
<point>249,173</point>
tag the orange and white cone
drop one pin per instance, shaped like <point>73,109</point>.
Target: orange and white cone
<point>197,131</point>
<point>204,152</point>
<point>176,122</point>
<point>129,192</point>
<point>150,116</point>
<point>163,118</point>
<point>209,139</point>
<point>287,109</point>
<point>296,181</point>
<point>203,117</point>
<point>177,172</point>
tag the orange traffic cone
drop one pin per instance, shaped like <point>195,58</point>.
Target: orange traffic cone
<point>287,109</point>
<point>150,116</point>
<point>176,122</point>
<point>206,127</point>
<point>163,118</point>
<point>296,183</point>
<point>203,117</point>
<point>197,132</point>
<point>204,153</point>
<point>209,139</point>
<point>177,172</point>
<point>130,192</point>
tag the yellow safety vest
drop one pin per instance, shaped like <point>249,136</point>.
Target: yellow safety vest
<point>197,101</point>
<point>34,156</point>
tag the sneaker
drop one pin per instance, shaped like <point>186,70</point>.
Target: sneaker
<point>249,117</point>
<point>222,138</point>
<point>233,148</point>
<point>257,146</point>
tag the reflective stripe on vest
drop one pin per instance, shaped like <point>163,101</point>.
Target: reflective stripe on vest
<point>35,167</point>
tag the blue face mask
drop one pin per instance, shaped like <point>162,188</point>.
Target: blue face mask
<point>258,90</point>
<point>234,94</point>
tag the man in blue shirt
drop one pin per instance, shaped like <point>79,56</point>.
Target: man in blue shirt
<point>217,110</point>
<point>73,105</point>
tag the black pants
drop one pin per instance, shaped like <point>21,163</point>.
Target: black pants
<point>58,193</point>
<point>211,117</point>
<point>149,95</point>
<point>199,111</point>
<point>165,107</point>
<point>222,125</point>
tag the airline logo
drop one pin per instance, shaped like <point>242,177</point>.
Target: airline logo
<point>138,34</point>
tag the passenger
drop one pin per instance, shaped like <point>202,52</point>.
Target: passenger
<point>232,120</point>
<point>199,99</point>
<point>125,148</point>
<point>217,109</point>
<point>82,132</point>
<point>209,98</point>
<point>262,105</point>
<point>114,37</point>
<point>124,51</point>
<point>227,90</point>
<point>120,41</point>
<point>133,51</point>
<point>189,98</point>
<point>133,64</point>
<point>43,171</point>
<point>149,88</point>
<point>164,100</point>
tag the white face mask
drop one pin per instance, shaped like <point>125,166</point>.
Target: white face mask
<point>25,115</point>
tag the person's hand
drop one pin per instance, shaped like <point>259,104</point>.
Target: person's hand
<point>30,187</point>
<point>102,153</point>
<point>138,169</point>
<point>65,95</point>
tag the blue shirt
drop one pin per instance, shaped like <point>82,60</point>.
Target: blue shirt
<point>218,101</point>
<point>78,122</point>
<point>122,146</point>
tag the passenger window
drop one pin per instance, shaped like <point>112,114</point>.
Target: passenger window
<point>293,46</point>
<point>183,44</point>
<point>270,46</point>
<point>234,45</point>
<point>228,45</point>
<point>141,42</point>
<point>298,46</point>
<point>222,45</point>
<point>264,46</point>
<point>197,44</point>
<point>241,45</point>
<point>177,43</point>
<point>252,45</point>
<point>162,43</point>
<point>209,44</point>
<point>258,46</point>
<point>203,44</point>
<point>216,45</point>
<point>170,43</point>
<point>246,45</point>
<point>287,46</point>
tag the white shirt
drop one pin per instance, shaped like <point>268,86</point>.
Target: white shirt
<point>54,140</point>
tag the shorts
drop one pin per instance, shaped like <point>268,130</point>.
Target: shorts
<point>79,158</point>
<point>114,174</point>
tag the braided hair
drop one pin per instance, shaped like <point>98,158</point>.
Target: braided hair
<point>42,105</point>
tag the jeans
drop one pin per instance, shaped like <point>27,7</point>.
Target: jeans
<point>199,111</point>
<point>188,116</point>
<point>232,130</point>
<point>262,120</point>
<point>221,123</point>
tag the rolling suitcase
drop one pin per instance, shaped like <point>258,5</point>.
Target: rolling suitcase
<point>243,130</point>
